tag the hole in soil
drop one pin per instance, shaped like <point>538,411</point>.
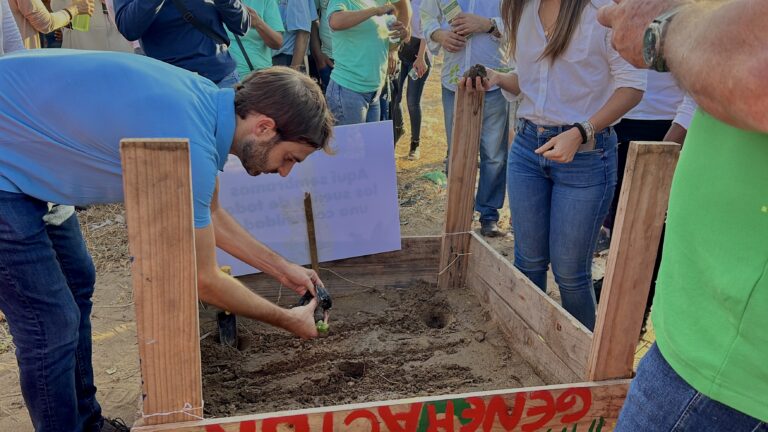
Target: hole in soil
<point>352,369</point>
<point>436,318</point>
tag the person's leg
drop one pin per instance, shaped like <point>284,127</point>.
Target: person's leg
<point>659,400</point>
<point>373,105</point>
<point>449,100</point>
<point>42,315</point>
<point>493,156</point>
<point>413,97</point>
<point>384,100</point>
<point>230,80</point>
<point>282,60</point>
<point>582,193</point>
<point>530,191</point>
<point>347,106</point>
<point>78,270</point>
<point>325,77</point>
<point>397,99</point>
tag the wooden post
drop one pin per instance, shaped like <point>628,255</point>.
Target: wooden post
<point>158,202</point>
<point>310,215</point>
<point>634,245</point>
<point>462,175</point>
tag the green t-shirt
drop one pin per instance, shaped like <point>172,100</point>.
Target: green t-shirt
<point>711,306</point>
<point>360,52</point>
<point>326,42</point>
<point>258,52</point>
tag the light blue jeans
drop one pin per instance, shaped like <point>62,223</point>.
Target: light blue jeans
<point>351,107</point>
<point>659,400</point>
<point>230,80</point>
<point>493,150</point>
<point>557,210</point>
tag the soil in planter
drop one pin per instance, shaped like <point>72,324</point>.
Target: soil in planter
<point>383,344</point>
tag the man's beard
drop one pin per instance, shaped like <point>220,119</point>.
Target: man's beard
<point>255,154</point>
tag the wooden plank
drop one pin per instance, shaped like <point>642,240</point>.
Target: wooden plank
<point>574,407</point>
<point>521,337</point>
<point>634,245</point>
<point>566,338</point>
<point>310,215</point>
<point>158,204</point>
<point>416,261</point>
<point>462,175</point>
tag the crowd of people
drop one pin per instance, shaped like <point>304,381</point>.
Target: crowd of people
<point>568,88</point>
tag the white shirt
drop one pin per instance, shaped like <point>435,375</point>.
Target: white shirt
<point>481,48</point>
<point>685,112</point>
<point>10,39</point>
<point>416,30</point>
<point>660,100</point>
<point>576,85</point>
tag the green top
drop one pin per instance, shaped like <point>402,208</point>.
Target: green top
<point>711,306</point>
<point>360,52</point>
<point>258,52</point>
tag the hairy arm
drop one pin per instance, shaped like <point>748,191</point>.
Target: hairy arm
<point>271,38</point>
<point>717,51</point>
<point>344,19</point>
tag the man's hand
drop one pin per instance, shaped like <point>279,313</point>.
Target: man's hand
<point>629,19</point>
<point>299,279</point>
<point>398,30</point>
<point>301,321</point>
<point>323,61</point>
<point>84,7</point>
<point>465,24</point>
<point>255,18</point>
<point>561,148</point>
<point>449,40</point>
<point>383,10</point>
<point>392,62</point>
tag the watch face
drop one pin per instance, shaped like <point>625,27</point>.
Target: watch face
<point>650,41</point>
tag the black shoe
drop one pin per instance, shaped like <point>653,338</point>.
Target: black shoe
<point>490,228</point>
<point>114,425</point>
<point>414,154</point>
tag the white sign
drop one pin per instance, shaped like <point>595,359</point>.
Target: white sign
<point>354,198</point>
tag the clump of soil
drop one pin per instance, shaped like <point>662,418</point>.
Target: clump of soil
<point>382,345</point>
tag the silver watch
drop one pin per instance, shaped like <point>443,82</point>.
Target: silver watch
<point>653,41</point>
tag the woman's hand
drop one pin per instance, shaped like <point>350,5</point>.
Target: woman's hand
<point>420,65</point>
<point>449,40</point>
<point>563,147</point>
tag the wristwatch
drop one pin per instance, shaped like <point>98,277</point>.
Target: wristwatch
<point>493,28</point>
<point>653,41</point>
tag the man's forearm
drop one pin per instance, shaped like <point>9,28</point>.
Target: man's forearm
<point>717,51</point>
<point>232,238</point>
<point>300,48</point>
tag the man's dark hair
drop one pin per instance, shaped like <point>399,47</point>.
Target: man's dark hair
<point>292,100</point>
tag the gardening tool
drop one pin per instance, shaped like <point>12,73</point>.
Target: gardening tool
<point>227,322</point>
<point>324,301</point>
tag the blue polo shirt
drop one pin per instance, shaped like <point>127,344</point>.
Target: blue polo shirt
<point>64,112</point>
<point>297,15</point>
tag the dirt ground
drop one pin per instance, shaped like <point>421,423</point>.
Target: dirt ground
<point>372,365</point>
<point>383,345</point>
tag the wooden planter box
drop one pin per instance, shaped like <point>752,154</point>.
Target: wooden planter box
<point>594,369</point>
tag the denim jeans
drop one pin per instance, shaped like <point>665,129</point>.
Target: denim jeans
<point>230,80</point>
<point>659,400</point>
<point>46,283</point>
<point>413,99</point>
<point>351,107</point>
<point>493,150</point>
<point>557,210</point>
<point>325,77</point>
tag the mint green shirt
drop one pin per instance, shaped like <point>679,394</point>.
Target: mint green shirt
<point>258,52</point>
<point>360,52</point>
<point>710,311</point>
<point>326,42</point>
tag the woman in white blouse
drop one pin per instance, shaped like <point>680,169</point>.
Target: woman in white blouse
<point>562,165</point>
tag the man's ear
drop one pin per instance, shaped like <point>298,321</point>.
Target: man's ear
<point>264,127</point>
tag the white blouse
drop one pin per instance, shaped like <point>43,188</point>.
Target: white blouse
<point>576,85</point>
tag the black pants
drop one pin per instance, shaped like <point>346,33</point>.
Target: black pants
<point>637,130</point>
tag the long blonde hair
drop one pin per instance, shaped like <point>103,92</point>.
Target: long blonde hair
<point>567,21</point>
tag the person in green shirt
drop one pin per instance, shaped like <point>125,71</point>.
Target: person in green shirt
<point>265,34</point>
<point>708,370</point>
<point>361,43</point>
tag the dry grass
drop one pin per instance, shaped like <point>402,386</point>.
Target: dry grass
<point>105,235</point>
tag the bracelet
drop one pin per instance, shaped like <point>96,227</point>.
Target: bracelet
<point>589,128</point>
<point>582,131</point>
<point>68,13</point>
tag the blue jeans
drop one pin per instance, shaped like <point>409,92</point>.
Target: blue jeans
<point>46,283</point>
<point>413,99</point>
<point>230,80</point>
<point>493,151</point>
<point>351,107</point>
<point>660,400</point>
<point>325,77</point>
<point>557,210</point>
